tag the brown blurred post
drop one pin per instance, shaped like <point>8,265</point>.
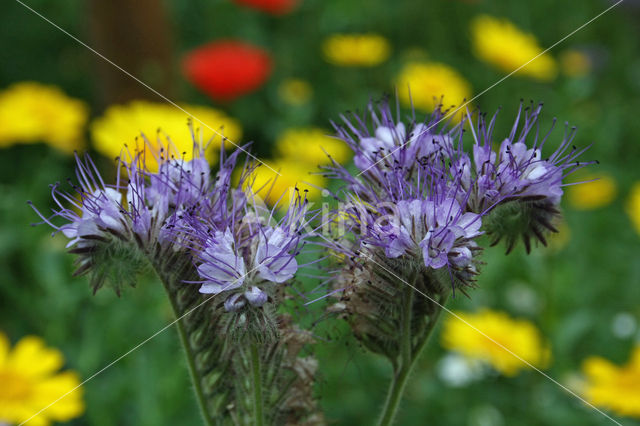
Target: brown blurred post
<point>136,35</point>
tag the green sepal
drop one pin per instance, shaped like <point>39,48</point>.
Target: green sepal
<point>525,219</point>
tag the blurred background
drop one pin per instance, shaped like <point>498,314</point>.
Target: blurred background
<point>276,72</point>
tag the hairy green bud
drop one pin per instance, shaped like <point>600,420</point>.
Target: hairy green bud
<point>521,219</point>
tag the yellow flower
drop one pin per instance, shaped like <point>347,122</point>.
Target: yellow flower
<point>575,63</point>
<point>293,173</point>
<point>34,112</point>
<point>311,146</point>
<point>295,91</point>
<point>633,206</point>
<point>518,336</point>
<point>30,381</point>
<point>592,195</point>
<point>425,83</point>
<point>613,387</point>
<point>502,44</point>
<point>356,50</point>
<point>122,125</point>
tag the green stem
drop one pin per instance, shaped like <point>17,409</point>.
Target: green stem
<point>396,390</point>
<point>408,355</point>
<point>191,363</point>
<point>422,343</point>
<point>407,316</point>
<point>258,415</point>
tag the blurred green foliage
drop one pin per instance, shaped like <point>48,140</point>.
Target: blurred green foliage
<point>578,290</point>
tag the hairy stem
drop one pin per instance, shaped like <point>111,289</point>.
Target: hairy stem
<point>190,355</point>
<point>424,339</point>
<point>396,390</point>
<point>407,316</point>
<point>409,355</point>
<point>256,371</point>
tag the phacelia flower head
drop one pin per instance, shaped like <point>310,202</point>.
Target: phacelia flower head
<point>399,162</point>
<point>182,212</point>
<point>415,207</point>
<point>404,201</point>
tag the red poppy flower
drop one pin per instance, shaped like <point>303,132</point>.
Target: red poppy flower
<point>227,69</point>
<point>274,7</point>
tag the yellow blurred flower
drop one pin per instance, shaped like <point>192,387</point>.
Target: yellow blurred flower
<point>592,195</point>
<point>356,50</point>
<point>633,206</point>
<point>614,387</point>
<point>425,83</point>
<point>518,336</point>
<point>295,91</point>
<point>575,63</point>
<point>311,145</point>
<point>30,381</point>
<point>502,44</point>
<point>122,125</point>
<point>293,173</point>
<point>34,112</point>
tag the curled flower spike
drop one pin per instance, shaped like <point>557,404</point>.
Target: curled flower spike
<point>396,165</point>
<point>520,187</point>
<point>99,205</point>
<point>99,227</point>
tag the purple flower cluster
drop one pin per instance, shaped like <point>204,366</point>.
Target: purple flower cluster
<point>98,209</point>
<point>183,209</point>
<point>246,253</point>
<point>517,170</point>
<point>418,195</point>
